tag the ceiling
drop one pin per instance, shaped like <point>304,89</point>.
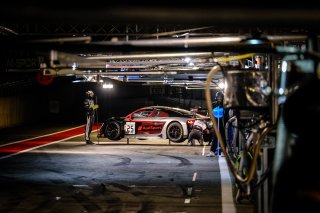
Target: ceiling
<point>149,44</point>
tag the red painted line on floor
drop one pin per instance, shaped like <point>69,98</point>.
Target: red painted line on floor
<point>33,143</point>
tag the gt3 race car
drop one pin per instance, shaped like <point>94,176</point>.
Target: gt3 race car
<point>151,122</point>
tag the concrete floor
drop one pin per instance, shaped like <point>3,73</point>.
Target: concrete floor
<point>142,176</point>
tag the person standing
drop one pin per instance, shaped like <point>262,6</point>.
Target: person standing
<point>218,113</point>
<point>89,108</point>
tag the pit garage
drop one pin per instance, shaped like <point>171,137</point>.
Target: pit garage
<point>153,71</point>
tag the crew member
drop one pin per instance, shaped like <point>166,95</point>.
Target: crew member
<point>218,113</point>
<point>89,107</point>
<point>199,126</point>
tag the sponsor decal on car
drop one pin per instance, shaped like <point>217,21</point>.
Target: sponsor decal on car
<point>151,128</point>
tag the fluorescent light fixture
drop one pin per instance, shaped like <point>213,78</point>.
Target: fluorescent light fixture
<point>107,86</point>
<point>187,59</point>
<point>74,66</point>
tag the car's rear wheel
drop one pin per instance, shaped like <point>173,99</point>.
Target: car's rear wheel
<point>175,132</point>
<point>113,130</point>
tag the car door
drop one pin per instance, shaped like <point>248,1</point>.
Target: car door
<point>144,123</point>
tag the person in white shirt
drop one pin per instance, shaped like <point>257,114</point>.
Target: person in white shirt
<point>196,132</point>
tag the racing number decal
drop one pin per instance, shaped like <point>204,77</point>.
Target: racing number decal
<point>130,128</point>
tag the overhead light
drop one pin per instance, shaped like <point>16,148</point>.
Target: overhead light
<point>74,66</point>
<point>221,85</point>
<point>255,41</point>
<point>107,86</point>
<point>187,59</point>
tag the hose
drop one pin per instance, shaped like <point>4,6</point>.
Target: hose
<point>265,131</point>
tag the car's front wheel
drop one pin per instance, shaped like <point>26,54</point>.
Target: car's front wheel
<point>175,132</point>
<point>113,130</point>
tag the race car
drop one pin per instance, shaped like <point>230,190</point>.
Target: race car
<point>152,122</point>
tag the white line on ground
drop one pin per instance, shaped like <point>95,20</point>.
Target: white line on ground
<point>194,176</point>
<point>203,149</point>
<point>36,147</point>
<point>226,187</point>
<point>27,150</point>
<point>42,136</point>
<point>80,186</point>
<point>189,191</point>
<point>133,186</point>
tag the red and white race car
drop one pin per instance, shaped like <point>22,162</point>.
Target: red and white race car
<point>152,122</point>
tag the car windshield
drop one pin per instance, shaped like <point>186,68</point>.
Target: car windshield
<point>142,113</point>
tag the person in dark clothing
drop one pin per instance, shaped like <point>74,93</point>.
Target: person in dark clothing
<point>196,132</point>
<point>89,108</point>
<point>219,114</point>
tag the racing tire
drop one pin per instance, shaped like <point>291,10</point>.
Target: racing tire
<point>113,131</point>
<point>175,132</point>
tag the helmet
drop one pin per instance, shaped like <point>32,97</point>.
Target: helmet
<point>219,96</point>
<point>90,94</point>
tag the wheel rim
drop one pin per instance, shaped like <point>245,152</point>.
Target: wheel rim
<point>112,130</point>
<point>175,132</point>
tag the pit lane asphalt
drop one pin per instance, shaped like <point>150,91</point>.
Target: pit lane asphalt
<point>142,176</point>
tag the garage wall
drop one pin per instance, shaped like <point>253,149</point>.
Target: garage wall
<point>62,101</point>
<point>24,101</point>
<point>16,110</point>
